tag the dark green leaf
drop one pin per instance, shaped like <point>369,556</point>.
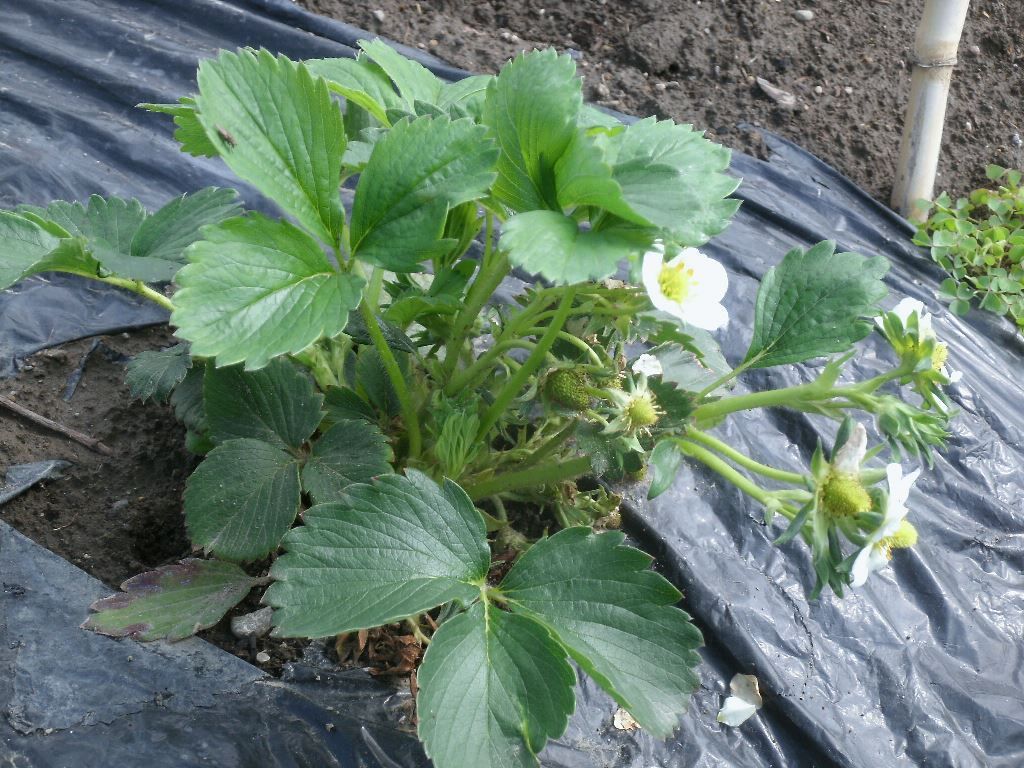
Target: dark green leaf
<point>277,404</point>
<point>393,334</point>
<point>258,288</point>
<point>242,499</point>
<point>552,245</point>
<point>372,379</point>
<point>387,551</point>
<point>814,303</point>
<point>494,687</point>
<point>616,618</point>
<point>154,374</point>
<point>531,108</point>
<point>349,452</point>
<point>343,404</point>
<point>417,172</point>
<point>172,602</point>
<point>276,126</point>
<point>663,466</point>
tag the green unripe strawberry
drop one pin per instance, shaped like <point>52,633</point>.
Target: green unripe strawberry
<point>568,388</point>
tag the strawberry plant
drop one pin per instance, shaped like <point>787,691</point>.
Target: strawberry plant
<point>410,436</point>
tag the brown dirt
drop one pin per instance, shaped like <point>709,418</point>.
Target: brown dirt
<point>696,61</point>
<point>113,516</point>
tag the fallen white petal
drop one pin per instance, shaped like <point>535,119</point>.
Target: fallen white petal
<point>744,702</point>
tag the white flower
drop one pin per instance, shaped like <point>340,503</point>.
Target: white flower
<point>691,286</point>
<point>647,365</point>
<point>744,702</point>
<point>850,456</point>
<point>876,552</point>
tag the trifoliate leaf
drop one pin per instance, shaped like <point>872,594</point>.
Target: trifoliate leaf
<point>386,551</point>
<point>172,602</point>
<point>814,303</point>
<point>663,466</point>
<point>350,452</point>
<point>673,177</point>
<point>416,174</point>
<point>413,81</point>
<point>242,499</point>
<point>154,374</point>
<point>276,126</point>
<point>26,248</point>
<point>531,108</point>
<point>277,404</point>
<point>158,247</point>
<point>494,687</point>
<point>615,617</point>
<point>359,81</point>
<point>190,133</point>
<point>258,288</point>
<point>552,245</point>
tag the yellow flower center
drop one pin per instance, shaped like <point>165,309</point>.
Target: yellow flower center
<point>642,411</point>
<point>939,356</point>
<point>844,496</point>
<point>675,282</point>
<point>904,537</point>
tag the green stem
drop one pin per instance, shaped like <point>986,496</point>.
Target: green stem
<point>139,287</point>
<point>724,379</point>
<point>467,376</point>
<point>550,446</point>
<point>743,460</point>
<point>581,345</point>
<point>409,415</point>
<point>767,399</point>
<point>518,379</point>
<point>372,294</point>
<point>752,489</point>
<point>533,477</point>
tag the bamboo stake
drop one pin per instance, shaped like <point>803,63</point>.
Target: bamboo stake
<point>938,36</point>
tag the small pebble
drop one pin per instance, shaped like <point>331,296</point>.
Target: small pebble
<point>118,505</point>
<point>1015,140</point>
<point>848,90</point>
<point>803,15</point>
<point>819,90</point>
<point>968,125</point>
<point>509,36</point>
<point>432,43</point>
<point>255,624</point>
<point>329,727</point>
<point>378,14</point>
<point>974,50</point>
<point>660,86</point>
<point>262,657</point>
<point>602,91</point>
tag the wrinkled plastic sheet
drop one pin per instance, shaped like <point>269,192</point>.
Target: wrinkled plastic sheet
<point>922,667</point>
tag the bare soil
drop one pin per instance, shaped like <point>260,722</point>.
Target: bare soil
<point>697,61</point>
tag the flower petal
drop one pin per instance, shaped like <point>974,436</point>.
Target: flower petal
<point>705,314</point>
<point>736,711</point>
<point>907,307</point>
<point>711,278</point>
<point>850,456</point>
<point>647,365</point>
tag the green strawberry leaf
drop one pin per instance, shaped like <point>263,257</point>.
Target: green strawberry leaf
<point>172,602</point>
<point>351,451</point>
<point>663,466</point>
<point>417,172</point>
<point>276,126</point>
<point>343,404</point>
<point>158,246</point>
<point>277,404</point>
<point>187,398</point>
<point>467,94</point>
<point>154,374</point>
<point>242,499</point>
<point>814,303</point>
<point>683,369</point>
<point>413,81</point>
<point>27,248</point>
<point>258,288</point>
<point>616,618</point>
<point>584,177</point>
<point>552,245</point>
<point>386,551</point>
<point>190,133</point>
<point>674,178</point>
<point>531,108</point>
<point>360,82</point>
<point>494,687</point>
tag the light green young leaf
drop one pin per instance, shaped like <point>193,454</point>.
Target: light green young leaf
<point>359,81</point>
<point>583,177</point>
<point>413,81</point>
<point>276,126</point>
<point>673,177</point>
<point>352,451</point>
<point>258,288</point>
<point>814,303</point>
<point>189,133</point>
<point>531,108</point>
<point>615,617</point>
<point>153,375</point>
<point>389,550</point>
<point>552,245</point>
<point>494,687</point>
<point>158,246</point>
<point>242,499</point>
<point>26,248</point>
<point>277,404</point>
<point>467,94</point>
<point>172,602</point>
<point>416,174</point>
